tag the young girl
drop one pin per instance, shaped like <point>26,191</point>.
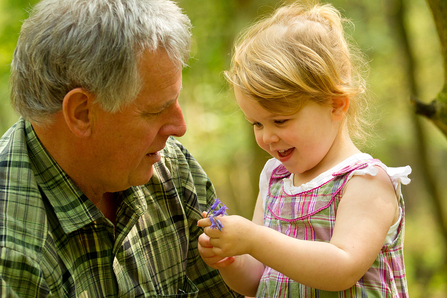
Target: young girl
<point>329,220</point>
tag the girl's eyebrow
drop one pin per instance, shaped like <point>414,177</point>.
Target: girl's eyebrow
<point>250,120</point>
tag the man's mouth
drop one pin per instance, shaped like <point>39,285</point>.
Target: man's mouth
<point>153,154</point>
<point>156,153</point>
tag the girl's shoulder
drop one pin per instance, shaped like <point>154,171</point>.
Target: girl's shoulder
<point>397,175</point>
<point>365,165</point>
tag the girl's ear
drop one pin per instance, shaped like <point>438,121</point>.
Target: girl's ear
<point>340,106</point>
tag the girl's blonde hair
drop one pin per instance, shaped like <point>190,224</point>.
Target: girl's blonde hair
<point>300,53</point>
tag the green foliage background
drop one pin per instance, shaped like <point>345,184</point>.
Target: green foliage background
<point>220,138</point>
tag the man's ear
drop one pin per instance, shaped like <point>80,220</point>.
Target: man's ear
<point>76,108</point>
<point>340,107</point>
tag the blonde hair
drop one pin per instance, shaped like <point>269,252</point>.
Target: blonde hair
<point>300,53</point>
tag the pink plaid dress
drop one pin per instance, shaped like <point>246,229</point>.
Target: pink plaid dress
<point>310,215</point>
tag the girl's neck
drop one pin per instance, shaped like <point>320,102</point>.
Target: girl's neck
<point>342,149</point>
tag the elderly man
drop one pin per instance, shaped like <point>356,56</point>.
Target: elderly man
<point>96,198</point>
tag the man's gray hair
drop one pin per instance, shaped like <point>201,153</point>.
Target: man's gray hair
<point>93,44</point>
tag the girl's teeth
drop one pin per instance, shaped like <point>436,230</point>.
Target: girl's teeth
<point>284,153</point>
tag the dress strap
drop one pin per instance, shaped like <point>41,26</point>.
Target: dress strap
<point>357,166</point>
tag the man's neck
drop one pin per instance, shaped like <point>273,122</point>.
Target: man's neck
<point>108,206</point>
<point>54,138</point>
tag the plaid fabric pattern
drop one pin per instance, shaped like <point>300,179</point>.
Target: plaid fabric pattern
<point>55,243</point>
<point>310,215</point>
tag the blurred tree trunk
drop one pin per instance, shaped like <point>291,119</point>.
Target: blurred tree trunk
<point>435,111</point>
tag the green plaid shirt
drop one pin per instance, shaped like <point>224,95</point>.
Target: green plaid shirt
<point>54,242</point>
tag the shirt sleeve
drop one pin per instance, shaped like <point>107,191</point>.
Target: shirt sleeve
<point>198,194</point>
<point>20,276</point>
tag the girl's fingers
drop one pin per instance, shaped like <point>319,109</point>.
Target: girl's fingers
<point>209,255</point>
<point>205,222</point>
<point>204,240</point>
<point>225,262</point>
<point>212,233</point>
<point>214,242</point>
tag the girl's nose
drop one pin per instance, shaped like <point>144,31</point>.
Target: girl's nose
<point>269,137</point>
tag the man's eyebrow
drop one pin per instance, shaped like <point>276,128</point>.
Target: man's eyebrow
<point>168,104</point>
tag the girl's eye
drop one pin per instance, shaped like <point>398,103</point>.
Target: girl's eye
<point>279,122</point>
<point>256,124</point>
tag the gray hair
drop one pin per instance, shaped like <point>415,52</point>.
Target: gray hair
<point>93,44</point>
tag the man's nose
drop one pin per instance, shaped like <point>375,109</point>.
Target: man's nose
<point>175,123</point>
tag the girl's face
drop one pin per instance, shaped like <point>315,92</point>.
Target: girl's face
<point>304,142</point>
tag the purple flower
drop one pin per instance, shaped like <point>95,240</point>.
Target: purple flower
<point>212,213</point>
<point>219,225</point>
<point>215,204</point>
<point>216,224</point>
<point>221,211</point>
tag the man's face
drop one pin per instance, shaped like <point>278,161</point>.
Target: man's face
<point>128,143</point>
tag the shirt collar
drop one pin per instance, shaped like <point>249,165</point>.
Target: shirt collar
<point>72,208</point>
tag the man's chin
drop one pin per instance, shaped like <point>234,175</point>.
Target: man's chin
<point>143,178</point>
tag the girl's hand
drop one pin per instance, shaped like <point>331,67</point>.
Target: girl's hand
<point>209,257</point>
<point>235,238</point>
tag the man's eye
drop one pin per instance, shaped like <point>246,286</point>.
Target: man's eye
<point>152,114</point>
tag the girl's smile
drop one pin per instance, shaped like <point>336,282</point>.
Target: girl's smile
<point>285,153</point>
